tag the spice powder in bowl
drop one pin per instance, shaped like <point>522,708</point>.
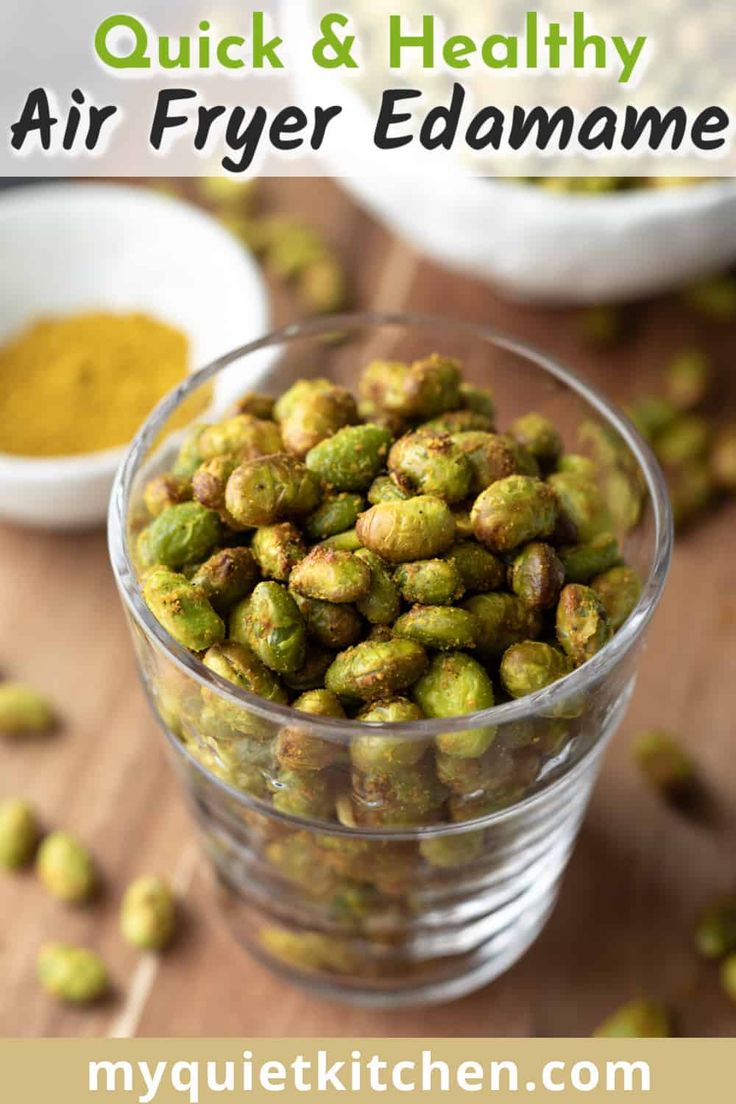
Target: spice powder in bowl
<point>85,382</point>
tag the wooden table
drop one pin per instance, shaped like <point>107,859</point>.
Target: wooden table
<point>639,873</point>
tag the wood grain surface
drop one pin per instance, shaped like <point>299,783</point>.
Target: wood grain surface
<point>638,876</point>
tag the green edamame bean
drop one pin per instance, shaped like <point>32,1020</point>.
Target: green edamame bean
<point>270,489</point>
<point>502,619</point>
<point>182,609</point>
<point>618,590</point>
<point>532,665</point>
<point>489,455</point>
<point>480,571</point>
<point>513,511</point>
<point>277,549</point>
<point>582,502</point>
<point>455,684</point>
<point>242,436</point>
<point>430,582</point>
<point>183,534</point>
<point>582,623</point>
<point>351,459</point>
<point>582,561</point>
<point>376,669</point>
<point>335,514</point>
<point>443,627</point>
<point>423,389</point>
<point>332,624</point>
<point>380,606</point>
<point>275,629</point>
<point>536,575</point>
<point>226,577</point>
<point>418,529</point>
<point>431,463</point>
<point>331,575</point>
<point>537,434</point>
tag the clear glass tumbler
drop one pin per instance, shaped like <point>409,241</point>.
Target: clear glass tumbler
<point>431,909</point>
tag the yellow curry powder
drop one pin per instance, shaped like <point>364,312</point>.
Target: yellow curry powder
<point>85,382</point>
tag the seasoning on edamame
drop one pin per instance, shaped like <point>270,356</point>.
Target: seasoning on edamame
<point>382,560</point>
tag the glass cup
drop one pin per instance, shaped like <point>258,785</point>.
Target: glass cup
<point>421,882</point>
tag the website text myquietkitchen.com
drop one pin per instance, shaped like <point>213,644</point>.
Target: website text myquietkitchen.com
<point>361,1073</point>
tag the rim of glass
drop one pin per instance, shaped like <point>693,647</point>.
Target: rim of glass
<point>537,703</point>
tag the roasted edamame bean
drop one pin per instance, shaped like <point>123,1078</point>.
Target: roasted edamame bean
<point>381,560</point>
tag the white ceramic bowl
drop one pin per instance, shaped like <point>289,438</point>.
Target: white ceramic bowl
<point>530,243</point>
<point>76,247</point>
<point>559,248</point>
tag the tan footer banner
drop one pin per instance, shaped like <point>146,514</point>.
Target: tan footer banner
<point>202,1071</point>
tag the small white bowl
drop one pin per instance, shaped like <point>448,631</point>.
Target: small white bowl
<point>68,248</point>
